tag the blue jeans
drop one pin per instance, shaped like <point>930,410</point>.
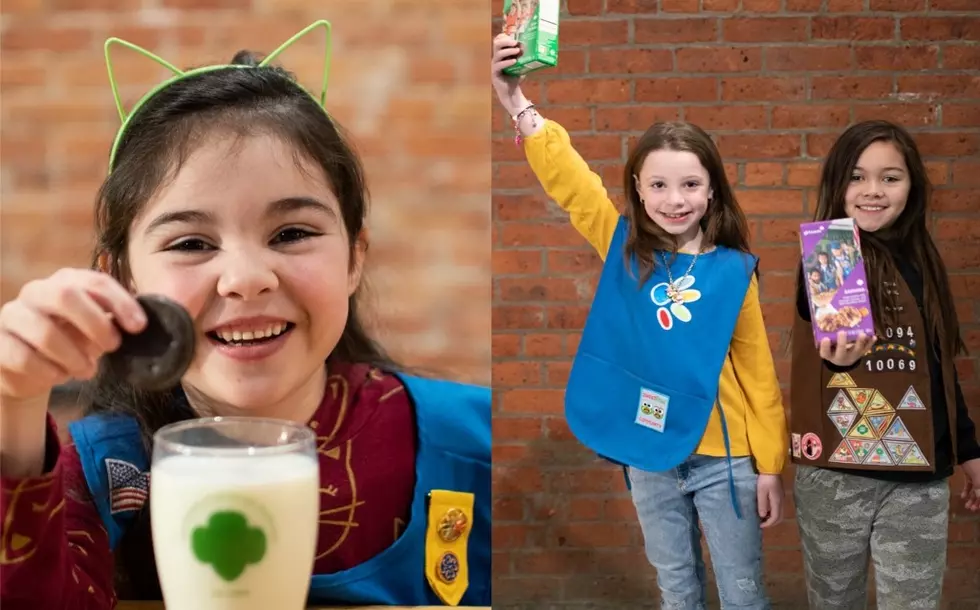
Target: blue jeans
<point>670,505</point>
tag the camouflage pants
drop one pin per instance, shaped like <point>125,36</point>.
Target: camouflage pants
<point>846,519</point>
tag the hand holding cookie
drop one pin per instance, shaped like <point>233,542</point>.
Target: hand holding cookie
<point>59,327</point>
<point>845,354</point>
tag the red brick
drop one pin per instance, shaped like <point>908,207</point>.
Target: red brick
<point>899,6</point>
<point>591,91</point>
<point>631,6</point>
<point>677,90</point>
<point>724,6</point>
<point>759,147</point>
<point>633,118</point>
<point>948,144</point>
<point>803,6</point>
<point>803,174</point>
<point>939,86</point>
<point>765,29</point>
<point>630,61</point>
<point>771,201</point>
<point>38,37</point>
<point>853,28</point>
<point>957,229</point>
<point>966,173</point>
<point>909,115</point>
<point>850,87</point>
<point>516,262</point>
<point>575,33</point>
<point>818,144</point>
<point>761,6</point>
<point>680,6</point>
<point>955,200</point>
<point>579,8</point>
<point>755,88</point>
<point>845,6</point>
<point>952,5</point>
<point>651,31</point>
<point>961,115</point>
<point>889,58</point>
<point>940,28</point>
<point>719,59</point>
<point>543,345</point>
<point>727,117</point>
<point>809,116</point>
<point>763,174</point>
<point>961,57</point>
<point>809,57</point>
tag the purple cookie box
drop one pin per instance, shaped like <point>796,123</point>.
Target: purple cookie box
<point>852,291</point>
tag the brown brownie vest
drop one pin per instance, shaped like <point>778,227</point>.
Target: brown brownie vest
<point>878,415</point>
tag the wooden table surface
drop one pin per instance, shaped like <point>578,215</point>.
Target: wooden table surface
<point>159,606</point>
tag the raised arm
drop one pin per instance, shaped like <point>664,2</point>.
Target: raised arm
<point>562,172</point>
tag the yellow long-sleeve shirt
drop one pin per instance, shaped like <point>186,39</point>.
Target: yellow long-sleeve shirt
<point>748,389</point>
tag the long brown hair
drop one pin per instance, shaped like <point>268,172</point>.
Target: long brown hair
<point>723,224</point>
<point>909,230</point>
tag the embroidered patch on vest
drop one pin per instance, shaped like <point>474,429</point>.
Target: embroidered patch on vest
<point>842,404</point>
<point>811,446</point>
<point>448,568</point>
<point>841,380</point>
<point>873,431</point>
<point>912,401</point>
<point>652,411</point>
<point>796,445</point>
<point>129,488</point>
<point>844,454</point>
<point>674,305</point>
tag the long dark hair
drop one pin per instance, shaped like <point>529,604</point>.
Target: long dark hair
<point>159,138</point>
<point>724,223</point>
<point>909,230</point>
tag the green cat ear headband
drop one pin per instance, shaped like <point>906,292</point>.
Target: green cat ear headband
<point>181,75</point>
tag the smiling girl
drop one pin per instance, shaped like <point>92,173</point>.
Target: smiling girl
<point>674,377</point>
<point>890,424</point>
<point>232,192</point>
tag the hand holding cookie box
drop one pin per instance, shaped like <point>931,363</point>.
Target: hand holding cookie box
<point>534,24</point>
<point>835,279</point>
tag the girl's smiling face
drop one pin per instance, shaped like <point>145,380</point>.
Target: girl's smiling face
<point>249,237</point>
<point>879,187</point>
<point>675,190</point>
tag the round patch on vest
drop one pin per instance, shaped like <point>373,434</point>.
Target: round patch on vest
<point>156,358</point>
<point>810,446</point>
<point>452,525</point>
<point>448,567</point>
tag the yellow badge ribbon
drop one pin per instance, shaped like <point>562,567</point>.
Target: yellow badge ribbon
<point>446,537</point>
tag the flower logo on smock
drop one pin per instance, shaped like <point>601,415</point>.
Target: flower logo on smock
<point>228,544</point>
<point>670,308</point>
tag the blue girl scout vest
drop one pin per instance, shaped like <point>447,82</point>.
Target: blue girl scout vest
<point>645,378</point>
<point>424,566</point>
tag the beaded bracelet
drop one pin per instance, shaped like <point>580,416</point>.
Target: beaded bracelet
<point>517,122</point>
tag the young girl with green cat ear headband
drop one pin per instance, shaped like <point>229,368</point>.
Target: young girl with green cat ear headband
<point>232,192</point>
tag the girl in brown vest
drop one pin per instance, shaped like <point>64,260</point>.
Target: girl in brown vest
<point>879,424</point>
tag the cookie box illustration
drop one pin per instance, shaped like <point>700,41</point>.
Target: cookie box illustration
<point>534,23</point>
<point>835,279</point>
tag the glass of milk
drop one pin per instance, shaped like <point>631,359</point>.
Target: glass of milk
<point>234,507</point>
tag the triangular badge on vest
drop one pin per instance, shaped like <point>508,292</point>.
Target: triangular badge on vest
<point>841,380</point>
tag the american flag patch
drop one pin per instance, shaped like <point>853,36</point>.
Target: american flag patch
<point>129,488</point>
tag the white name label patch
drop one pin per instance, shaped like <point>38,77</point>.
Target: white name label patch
<point>652,411</point>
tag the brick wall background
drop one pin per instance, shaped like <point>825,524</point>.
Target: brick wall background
<point>775,81</point>
<point>407,79</point>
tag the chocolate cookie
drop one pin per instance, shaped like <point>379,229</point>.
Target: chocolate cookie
<point>156,358</point>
